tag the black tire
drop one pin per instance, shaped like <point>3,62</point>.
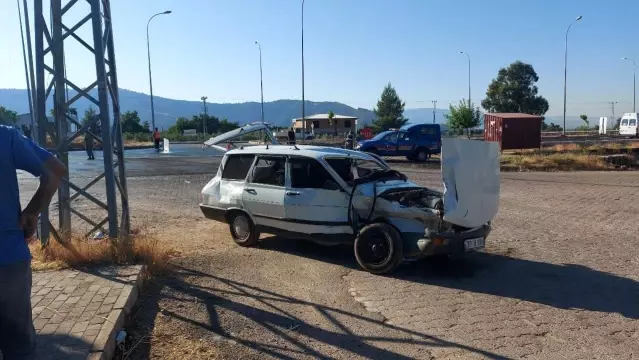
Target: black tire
<point>242,229</point>
<point>378,248</point>
<point>422,155</point>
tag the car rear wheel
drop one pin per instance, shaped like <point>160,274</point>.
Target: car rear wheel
<point>378,248</point>
<point>422,155</point>
<point>242,229</point>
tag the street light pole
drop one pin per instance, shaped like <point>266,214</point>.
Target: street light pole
<point>303,100</point>
<point>261,82</point>
<point>148,49</point>
<point>468,56</point>
<point>634,82</point>
<point>566,71</point>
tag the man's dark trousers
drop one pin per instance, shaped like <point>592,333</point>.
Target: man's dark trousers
<point>18,340</point>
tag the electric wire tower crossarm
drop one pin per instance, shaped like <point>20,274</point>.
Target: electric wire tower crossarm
<point>49,39</point>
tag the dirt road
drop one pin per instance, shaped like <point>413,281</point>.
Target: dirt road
<point>559,279</point>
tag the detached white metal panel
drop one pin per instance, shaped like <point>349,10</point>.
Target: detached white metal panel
<point>471,175</point>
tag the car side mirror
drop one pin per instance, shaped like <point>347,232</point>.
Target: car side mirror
<point>331,185</point>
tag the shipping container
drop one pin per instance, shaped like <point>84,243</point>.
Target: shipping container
<point>513,130</point>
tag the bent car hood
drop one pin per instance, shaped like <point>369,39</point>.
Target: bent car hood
<point>470,172</point>
<point>237,133</point>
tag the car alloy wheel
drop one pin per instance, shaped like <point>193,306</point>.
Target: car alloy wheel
<point>241,228</point>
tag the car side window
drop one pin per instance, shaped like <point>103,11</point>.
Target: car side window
<point>307,173</point>
<point>391,137</point>
<point>269,171</point>
<point>237,167</point>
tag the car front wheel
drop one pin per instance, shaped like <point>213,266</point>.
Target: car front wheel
<point>242,229</point>
<point>378,248</point>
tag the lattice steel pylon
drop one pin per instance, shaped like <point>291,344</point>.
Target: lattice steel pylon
<point>50,40</point>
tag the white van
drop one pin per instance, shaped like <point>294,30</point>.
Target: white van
<point>628,125</point>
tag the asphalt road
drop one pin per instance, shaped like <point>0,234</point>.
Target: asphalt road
<point>558,280</point>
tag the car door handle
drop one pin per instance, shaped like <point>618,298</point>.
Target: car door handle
<point>292,193</point>
<point>250,191</point>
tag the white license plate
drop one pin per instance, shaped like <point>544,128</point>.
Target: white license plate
<point>472,244</point>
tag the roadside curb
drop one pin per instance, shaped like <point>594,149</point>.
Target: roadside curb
<point>105,343</point>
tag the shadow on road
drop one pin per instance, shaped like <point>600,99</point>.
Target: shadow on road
<point>268,311</point>
<point>54,347</point>
<point>562,286</point>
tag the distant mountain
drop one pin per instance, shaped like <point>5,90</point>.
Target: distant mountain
<point>279,112</point>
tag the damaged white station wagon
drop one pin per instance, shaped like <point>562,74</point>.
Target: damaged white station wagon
<point>333,196</point>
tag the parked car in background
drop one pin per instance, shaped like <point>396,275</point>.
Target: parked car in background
<point>417,142</point>
<point>335,196</point>
<point>628,125</point>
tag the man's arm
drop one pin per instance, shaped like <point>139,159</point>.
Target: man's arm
<point>53,171</point>
<point>40,163</point>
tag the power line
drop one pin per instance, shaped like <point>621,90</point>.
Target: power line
<point>612,107</point>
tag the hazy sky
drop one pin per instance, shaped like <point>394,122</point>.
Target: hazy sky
<point>354,47</point>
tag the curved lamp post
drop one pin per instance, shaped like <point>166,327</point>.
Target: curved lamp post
<point>566,70</point>
<point>148,49</point>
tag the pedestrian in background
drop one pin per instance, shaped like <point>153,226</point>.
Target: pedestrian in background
<point>291,136</point>
<point>88,143</point>
<point>17,226</point>
<point>156,139</point>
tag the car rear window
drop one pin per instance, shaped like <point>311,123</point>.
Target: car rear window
<point>624,122</point>
<point>237,167</point>
<point>633,122</point>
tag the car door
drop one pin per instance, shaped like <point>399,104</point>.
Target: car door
<point>314,202</point>
<point>263,195</point>
<point>389,145</point>
<point>405,144</point>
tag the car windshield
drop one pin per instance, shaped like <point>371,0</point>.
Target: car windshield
<point>358,170</point>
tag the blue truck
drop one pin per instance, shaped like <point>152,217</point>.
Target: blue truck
<point>415,141</point>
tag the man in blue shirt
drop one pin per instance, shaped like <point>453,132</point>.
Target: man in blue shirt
<point>17,226</point>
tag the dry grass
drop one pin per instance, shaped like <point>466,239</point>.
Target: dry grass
<point>78,143</point>
<point>80,251</point>
<point>554,162</point>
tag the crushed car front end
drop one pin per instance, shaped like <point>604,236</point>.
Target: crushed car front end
<point>433,222</point>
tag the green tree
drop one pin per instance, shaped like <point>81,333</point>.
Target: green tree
<point>389,112</point>
<point>514,91</point>
<point>331,115</point>
<point>8,117</point>
<point>226,126</point>
<point>89,113</point>
<point>617,124</point>
<point>463,117</point>
<point>551,127</point>
<point>147,126</point>
<point>131,123</point>
<point>584,118</point>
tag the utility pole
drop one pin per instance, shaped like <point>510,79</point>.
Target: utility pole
<point>612,107</point>
<point>206,117</point>
<point>303,100</point>
<point>434,108</point>
<point>261,83</point>
<point>49,44</point>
